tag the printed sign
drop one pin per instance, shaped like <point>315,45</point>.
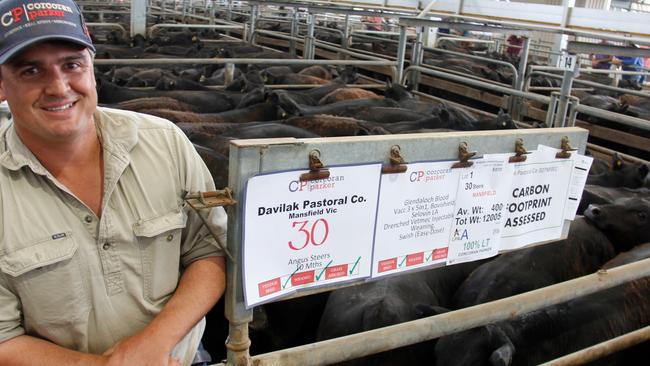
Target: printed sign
<point>416,209</point>
<point>479,210</point>
<point>306,234</point>
<point>536,200</point>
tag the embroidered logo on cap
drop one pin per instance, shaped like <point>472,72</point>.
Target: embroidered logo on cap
<point>32,11</point>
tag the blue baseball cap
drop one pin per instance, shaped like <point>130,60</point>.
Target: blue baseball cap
<point>26,22</point>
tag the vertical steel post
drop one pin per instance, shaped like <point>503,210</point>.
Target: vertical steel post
<point>516,102</point>
<point>138,18</point>
<point>565,92</point>
<point>308,51</point>
<point>253,20</point>
<point>346,32</point>
<point>294,32</point>
<point>401,51</point>
<point>416,57</point>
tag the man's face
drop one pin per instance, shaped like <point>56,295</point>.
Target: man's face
<point>50,88</point>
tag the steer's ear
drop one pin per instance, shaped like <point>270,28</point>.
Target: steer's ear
<point>505,350</point>
<point>643,170</point>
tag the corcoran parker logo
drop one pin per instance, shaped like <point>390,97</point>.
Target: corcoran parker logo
<point>32,11</point>
<point>315,185</point>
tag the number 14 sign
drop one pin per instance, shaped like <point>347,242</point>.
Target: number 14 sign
<point>308,234</point>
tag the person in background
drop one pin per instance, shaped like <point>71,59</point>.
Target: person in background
<point>631,64</point>
<point>601,61</point>
<point>101,260</point>
<point>514,45</point>
<point>374,23</point>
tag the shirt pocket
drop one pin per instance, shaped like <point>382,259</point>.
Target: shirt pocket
<point>159,240</point>
<point>49,280</point>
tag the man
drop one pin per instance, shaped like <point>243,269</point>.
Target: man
<point>101,262</point>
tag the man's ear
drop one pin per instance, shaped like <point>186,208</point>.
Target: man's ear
<point>2,88</point>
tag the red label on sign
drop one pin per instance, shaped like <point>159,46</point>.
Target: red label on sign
<point>413,259</point>
<point>439,253</point>
<point>269,287</point>
<point>336,271</point>
<point>302,278</point>
<point>387,265</point>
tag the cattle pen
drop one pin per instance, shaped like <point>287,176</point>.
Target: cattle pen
<point>451,54</point>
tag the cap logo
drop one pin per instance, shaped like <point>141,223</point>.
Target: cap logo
<point>33,11</point>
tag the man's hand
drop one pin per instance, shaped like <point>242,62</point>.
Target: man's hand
<point>139,350</point>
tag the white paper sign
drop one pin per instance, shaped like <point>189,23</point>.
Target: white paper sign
<point>536,200</point>
<point>476,229</point>
<point>416,209</point>
<point>581,166</point>
<point>306,234</point>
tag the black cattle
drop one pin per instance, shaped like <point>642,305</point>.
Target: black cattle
<point>391,301</point>
<point>546,334</point>
<point>348,108</point>
<point>287,323</point>
<point>408,100</point>
<point>269,130</point>
<point>342,94</point>
<point>205,101</point>
<point>629,175</point>
<point>217,165</point>
<point>148,77</point>
<point>599,166</point>
<point>626,221</point>
<point>171,82</point>
<point>584,251</point>
<point>595,194</point>
<point>639,252</point>
<point>141,104</point>
<point>328,126</point>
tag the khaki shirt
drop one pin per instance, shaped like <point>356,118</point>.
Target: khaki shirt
<point>86,283</point>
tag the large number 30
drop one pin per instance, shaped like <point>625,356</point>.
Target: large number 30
<point>310,233</point>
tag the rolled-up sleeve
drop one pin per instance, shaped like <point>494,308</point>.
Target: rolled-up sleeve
<point>197,241</point>
<point>10,311</point>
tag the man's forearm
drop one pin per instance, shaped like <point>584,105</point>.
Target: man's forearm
<point>200,287</point>
<point>30,351</point>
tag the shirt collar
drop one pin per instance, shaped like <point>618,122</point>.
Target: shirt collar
<point>118,135</point>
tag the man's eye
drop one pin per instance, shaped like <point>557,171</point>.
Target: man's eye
<point>29,71</point>
<point>72,65</point>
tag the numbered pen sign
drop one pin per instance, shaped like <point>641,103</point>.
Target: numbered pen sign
<point>306,234</point>
<point>416,209</point>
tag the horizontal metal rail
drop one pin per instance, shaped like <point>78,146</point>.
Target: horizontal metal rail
<point>119,26</point>
<point>587,83</point>
<point>512,67</point>
<point>404,334</point>
<point>602,349</point>
<point>156,27</point>
<point>462,39</point>
<point>477,83</point>
<point>258,61</point>
<point>593,71</point>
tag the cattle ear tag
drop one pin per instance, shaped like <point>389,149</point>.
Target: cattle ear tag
<point>463,157</point>
<point>566,147</point>
<point>397,163</point>
<point>520,152</point>
<point>316,168</point>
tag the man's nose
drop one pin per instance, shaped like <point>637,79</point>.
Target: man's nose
<point>57,83</point>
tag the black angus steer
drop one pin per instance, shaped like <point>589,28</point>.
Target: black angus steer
<point>583,252</point>
<point>626,221</point>
<point>549,333</point>
<point>389,301</point>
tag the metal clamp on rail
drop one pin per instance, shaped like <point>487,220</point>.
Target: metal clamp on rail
<point>520,152</point>
<point>202,200</point>
<point>316,168</point>
<point>566,147</point>
<point>463,156</point>
<point>397,163</point>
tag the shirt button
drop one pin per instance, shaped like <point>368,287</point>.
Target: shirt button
<point>170,237</point>
<point>106,246</point>
<point>88,219</point>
